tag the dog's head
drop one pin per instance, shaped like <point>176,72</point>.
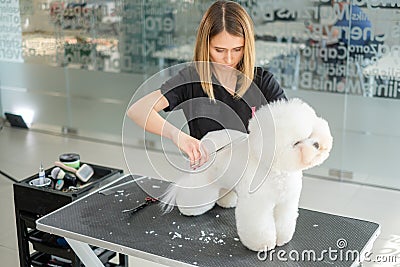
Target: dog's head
<point>301,139</point>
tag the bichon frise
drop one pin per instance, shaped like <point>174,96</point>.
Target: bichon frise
<point>259,173</point>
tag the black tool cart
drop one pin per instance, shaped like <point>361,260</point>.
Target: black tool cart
<point>32,202</point>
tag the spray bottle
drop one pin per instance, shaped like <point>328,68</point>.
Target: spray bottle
<point>41,175</point>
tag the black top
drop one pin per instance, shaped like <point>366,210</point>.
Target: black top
<point>184,91</point>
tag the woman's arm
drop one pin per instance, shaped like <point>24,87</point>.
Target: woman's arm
<point>145,113</point>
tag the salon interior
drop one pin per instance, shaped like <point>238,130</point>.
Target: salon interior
<point>70,69</point>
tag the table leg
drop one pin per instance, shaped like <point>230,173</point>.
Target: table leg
<point>85,253</point>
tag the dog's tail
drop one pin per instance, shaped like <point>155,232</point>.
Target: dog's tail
<point>168,199</point>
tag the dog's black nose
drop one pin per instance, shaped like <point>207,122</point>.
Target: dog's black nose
<point>316,145</point>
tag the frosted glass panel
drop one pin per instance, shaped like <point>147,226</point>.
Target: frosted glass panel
<point>79,64</point>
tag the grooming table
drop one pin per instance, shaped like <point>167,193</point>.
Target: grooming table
<point>208,240</point>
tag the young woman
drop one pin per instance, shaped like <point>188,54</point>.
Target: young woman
<point>221,89</point>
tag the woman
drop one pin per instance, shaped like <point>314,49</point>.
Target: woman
<point>223,71</point>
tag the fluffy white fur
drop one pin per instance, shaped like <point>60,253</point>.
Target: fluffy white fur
<point>261,176</point>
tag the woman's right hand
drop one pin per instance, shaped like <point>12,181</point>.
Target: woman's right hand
<point>192,148</point>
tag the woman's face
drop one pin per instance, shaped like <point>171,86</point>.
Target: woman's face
<point>226,49</point>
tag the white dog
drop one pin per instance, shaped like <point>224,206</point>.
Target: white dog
<point>258,174</point>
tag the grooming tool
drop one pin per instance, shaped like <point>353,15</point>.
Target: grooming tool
<point>70,160</point>
<point>57,173</point>
<point>80,186</point>
<point>83,173</point>
<point>38,183</point>
<point>147,201</point>
<point>64,167</point>
<point>42,175</point>
<point>42,180</point>
<point>234,142</point>
<point>59,185</point>
<point>70,180</point>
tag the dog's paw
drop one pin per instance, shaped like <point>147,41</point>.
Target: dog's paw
<point>229,200</point>
<point>283,238</point>
<point>265,245</point>
<point>258,240</point>
<point>195,211</point>
<point>285,232</point>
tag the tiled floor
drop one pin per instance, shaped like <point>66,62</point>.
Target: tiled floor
<point>22,151</point>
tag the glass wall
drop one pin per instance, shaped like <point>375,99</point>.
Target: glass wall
<point>75,66</point>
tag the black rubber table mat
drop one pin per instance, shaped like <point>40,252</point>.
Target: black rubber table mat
<point>208,240</point>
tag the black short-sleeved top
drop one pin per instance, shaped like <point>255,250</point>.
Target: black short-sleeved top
<point>184,91</point>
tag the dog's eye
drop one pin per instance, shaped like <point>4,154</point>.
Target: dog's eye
<point>316,145</point>
<point>295,144</point>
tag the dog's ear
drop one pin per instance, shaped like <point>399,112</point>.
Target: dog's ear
<point>289,135</point>
<point>262,134</point>
<point>303,140</point>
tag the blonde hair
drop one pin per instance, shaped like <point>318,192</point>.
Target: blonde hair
<point>233,18</point>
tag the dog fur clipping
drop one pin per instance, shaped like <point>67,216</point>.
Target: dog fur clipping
<point>260,176</point>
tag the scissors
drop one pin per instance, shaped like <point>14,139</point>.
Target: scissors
<point>147,201</point>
